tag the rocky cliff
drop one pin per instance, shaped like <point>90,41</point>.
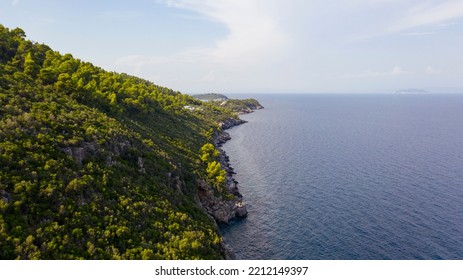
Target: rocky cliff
<point>223,208</point>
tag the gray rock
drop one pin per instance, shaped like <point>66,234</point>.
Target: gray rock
<point>241,210</point>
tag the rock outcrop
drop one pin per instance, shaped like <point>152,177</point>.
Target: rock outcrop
<point>229,123</point>
<point>220,208</point>
<point>223,208</point>
<point>250,109</point>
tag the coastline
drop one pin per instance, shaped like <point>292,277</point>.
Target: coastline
<point>222,209</point>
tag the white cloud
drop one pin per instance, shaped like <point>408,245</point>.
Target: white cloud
<point>15,2</point>
<point>423,15</point>
<point>253,32</point>
<point>254,36</point>
<point>431,71</point>
<point>395,71</point>
<point>308,45</point>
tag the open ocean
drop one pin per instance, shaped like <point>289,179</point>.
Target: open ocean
<point>350,177</point>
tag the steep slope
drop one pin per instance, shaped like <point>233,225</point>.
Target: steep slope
<point>99,165</point>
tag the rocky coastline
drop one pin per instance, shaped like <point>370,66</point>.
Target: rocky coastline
<point>223,208</point>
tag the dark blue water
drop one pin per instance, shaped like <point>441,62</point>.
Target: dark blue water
<point>350,177</point>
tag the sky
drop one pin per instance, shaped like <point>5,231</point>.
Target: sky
<point>258,46</point>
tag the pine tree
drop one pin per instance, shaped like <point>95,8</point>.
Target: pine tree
<point>31,68</point>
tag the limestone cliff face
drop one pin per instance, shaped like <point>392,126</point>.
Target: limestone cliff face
<point>223,209</point>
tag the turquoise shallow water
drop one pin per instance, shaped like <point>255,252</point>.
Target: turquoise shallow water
<point>350,177</point>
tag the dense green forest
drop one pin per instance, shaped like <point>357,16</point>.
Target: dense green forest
<point>100,165</point>
<point>210,96</point>
<point>242,106</point>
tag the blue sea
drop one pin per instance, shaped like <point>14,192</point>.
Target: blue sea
<point>350,177</point>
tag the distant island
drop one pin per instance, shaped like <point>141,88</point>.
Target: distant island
<point>102,165</point>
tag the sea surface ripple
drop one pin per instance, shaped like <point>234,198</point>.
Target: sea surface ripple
<point>350,177</point>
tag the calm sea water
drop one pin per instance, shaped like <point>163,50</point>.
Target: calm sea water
<point>350,177</point>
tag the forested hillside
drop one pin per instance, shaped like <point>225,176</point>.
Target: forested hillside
<point>240,106</point>
<point>96,164</point>
<point>210,96</point>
